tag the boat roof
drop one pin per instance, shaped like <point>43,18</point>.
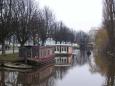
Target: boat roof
<point>60,45</point>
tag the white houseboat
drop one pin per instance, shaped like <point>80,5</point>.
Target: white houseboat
<point>62,49</point>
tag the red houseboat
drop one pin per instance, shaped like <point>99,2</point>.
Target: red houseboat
<point>40,54</point>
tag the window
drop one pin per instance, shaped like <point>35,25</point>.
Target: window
<point>48,52</point>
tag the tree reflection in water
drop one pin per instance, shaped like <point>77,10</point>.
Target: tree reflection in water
<point>62,66</point>
<point>81,58</point>
<point>8,78</point>
<point>44,76</point>
<point>105,64</point>
<point>48,75</point>
<point>2,78</point>
<point>40,77</point>
<point>61,71</point>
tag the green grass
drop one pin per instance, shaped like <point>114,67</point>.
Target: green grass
<point>9,57</point>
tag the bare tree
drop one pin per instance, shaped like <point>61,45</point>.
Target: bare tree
<point>45,23</point>
<point>35,26</point>
<point>109,22</point>
<point>62,33</point>
<point>82,39</point>
<point>6,17</point>
<point>55,31</point>
<point>24,11</point>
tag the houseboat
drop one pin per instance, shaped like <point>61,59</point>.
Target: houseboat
<point>40,54</point>
<point>62,49</point>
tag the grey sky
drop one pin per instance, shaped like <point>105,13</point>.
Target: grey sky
<point>76,14</point>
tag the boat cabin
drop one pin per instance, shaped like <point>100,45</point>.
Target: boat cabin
<point>36,53</point>
<point>63,49</point>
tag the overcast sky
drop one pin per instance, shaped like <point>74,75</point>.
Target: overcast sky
<point>76,14</point>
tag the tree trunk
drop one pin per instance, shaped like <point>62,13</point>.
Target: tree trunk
<point>13,44</point>
<point>25,56</point>
<point>21,45</point>
<point>13,47</point>
<point>3,48</point>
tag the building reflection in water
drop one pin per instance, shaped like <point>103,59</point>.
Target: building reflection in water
<point>62,65</point>
<point>43,76</point>
<point>61,60</point>
<point>8,78</point>
<point>48,75</point>
<point>38,77</point>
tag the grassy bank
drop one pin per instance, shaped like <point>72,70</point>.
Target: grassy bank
<point>9,57</point>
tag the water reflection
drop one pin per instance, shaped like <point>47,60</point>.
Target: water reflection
<point>8,78</point>
<point>63,60</point>
<point>47,75</point>
<point>61,71</point>
<point>62,65</point>
<point>106,66</point>
<point>40,77</point>
<point>72,68</point>
<point>81,58</point>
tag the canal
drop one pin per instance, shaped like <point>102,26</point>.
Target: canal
<point>82,70</point>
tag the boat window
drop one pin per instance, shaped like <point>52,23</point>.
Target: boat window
<point>67,49</point>
<point>55,48</point>
<point>44,52</point>
<point>64,48</point>
<point>48,52</point>
<point>61,48</point>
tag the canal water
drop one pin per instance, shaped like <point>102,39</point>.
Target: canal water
<point>83,70</point>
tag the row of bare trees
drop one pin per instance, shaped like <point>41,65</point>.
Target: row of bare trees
<point>62,33</point>
<point>26,20</point>
<point>15,18</point>
<point>82,39</point>
<point>109,23</point>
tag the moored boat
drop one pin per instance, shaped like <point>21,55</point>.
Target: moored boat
<point>39,54</point>
<point>62,49</point>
